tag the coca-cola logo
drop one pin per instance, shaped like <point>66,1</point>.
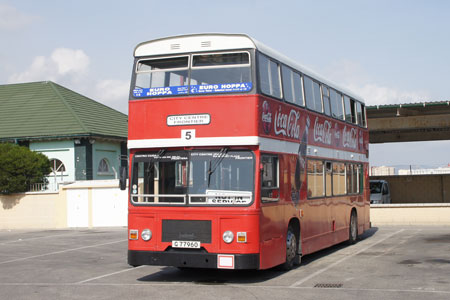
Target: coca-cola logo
<point>349,138</point>
<point>322,131</point>
<point>337,134</point>
<point>287,124</point>
<point>266,117</point>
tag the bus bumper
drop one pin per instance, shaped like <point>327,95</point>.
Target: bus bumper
<point>190,259</point>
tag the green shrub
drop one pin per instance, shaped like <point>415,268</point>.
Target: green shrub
<point>20,167</point>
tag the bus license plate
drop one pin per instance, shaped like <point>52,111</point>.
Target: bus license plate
<point>186,244</point>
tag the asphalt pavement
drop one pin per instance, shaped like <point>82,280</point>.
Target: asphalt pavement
<point>386,263</point>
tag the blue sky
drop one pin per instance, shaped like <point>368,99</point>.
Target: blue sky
<point>385,51</point>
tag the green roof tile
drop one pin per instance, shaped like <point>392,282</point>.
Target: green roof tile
<point>48,110</point>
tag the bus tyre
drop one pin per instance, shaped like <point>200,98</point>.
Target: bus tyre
<point>353,230</point>
<point>291,250</point>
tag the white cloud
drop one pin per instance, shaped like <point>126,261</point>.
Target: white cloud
<point>62,64</point>
<point>70,61</point>
<point>71,68</point>
<point>374,94</point>
<point>113,93</point>
<point>12,19</point>
<point>352,76</point>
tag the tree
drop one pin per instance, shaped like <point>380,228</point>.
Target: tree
<point>20,167</point>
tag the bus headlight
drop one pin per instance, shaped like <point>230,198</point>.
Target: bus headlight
<point>146,234</point>
<point>228,236</point>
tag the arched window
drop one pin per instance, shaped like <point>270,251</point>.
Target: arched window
<point>103,166</point>
<point>57,166</point>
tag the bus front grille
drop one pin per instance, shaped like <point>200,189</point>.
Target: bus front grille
<point>186,230</point>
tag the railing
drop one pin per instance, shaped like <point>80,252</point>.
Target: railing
<point>38,187</point>
<point>43,187</point>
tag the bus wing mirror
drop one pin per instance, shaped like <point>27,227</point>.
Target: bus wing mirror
<point>123,178</point>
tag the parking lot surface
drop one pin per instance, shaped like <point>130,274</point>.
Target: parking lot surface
<point>387,263</point>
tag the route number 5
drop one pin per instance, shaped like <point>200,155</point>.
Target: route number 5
<point>188,134</point>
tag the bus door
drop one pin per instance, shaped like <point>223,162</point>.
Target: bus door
<point>272,215</point>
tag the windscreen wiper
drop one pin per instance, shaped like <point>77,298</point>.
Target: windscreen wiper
<point>223,152</point>
<point>151,166</point>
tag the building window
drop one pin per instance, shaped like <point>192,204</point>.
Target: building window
<point>103,167</point>
<point>57,166</point>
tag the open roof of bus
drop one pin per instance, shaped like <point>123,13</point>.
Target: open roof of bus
<point>210,42</point>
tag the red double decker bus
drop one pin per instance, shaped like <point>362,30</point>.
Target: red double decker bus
<point>240,158</point>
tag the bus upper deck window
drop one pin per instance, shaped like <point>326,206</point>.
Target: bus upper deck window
<point>269,76</point>
<point>337,110</point>
<point>350,113</point>
<point>161,77</point>
<point>220,73</point>
<point>312,94</point>
<point>221,59</point>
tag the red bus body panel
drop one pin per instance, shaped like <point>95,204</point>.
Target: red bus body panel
<point>323,221</point>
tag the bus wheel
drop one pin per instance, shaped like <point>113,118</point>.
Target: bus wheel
<point>353,230</point>
<point>291,250</point>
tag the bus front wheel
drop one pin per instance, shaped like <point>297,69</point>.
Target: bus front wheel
<point>291,250</point>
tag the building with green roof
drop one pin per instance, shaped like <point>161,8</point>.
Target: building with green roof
<point>83,139</point>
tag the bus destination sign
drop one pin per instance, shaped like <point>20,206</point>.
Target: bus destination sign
<point>181,120</point>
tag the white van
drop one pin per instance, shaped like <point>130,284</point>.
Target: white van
<point>379,192</point>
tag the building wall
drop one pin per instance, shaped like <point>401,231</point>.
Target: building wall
<point>62,150</point>
<point>410,214</point>
<point>418,188</point>
<point>39,210</point>
<point>96,203</point>
<point>110,151</point>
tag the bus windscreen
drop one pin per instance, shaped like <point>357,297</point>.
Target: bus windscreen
<point>193,177</point>
<point>207,74</point>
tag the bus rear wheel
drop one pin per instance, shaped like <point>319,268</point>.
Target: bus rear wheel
<point>353,230</point>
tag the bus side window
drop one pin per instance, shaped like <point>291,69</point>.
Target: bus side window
<point>269,178</point>
<point>269,77</point>
<point>326,100</point>
<point>315,179</point>
<point>328,179</point>
<point>363,116</point>
<point>312,94</point>
<point>350,111</point>
<point>338,178</point>
<point>337,111</point>
<point>292,86</point>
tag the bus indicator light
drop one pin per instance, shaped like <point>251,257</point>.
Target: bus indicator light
<point>134,234</point>
<point>242,237</point>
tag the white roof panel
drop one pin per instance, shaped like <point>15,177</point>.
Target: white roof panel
<point>194,43</point>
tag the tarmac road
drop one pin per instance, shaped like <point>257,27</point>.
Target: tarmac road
<point>387,263</point>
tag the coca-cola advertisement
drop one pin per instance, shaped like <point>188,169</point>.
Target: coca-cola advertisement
<point>286,122</point>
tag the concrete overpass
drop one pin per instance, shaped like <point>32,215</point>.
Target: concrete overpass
<point>427,121</point>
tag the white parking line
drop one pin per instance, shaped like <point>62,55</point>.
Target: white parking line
<point>62,251</point>
<point>38,238</point>
<point>296,284</point>
<point>110,274</point>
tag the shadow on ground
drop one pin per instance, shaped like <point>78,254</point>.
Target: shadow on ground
<point>218,277</point>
